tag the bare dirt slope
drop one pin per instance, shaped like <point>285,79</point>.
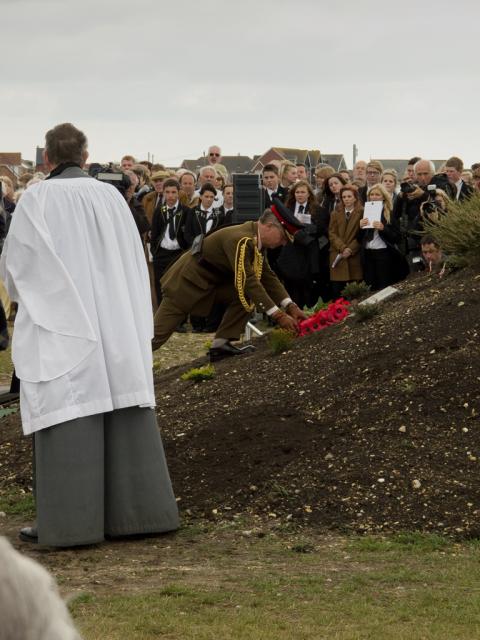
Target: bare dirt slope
<point>362,427</point>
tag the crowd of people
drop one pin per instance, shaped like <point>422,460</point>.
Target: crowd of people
<point>340,244</point>
<point>75,258</point>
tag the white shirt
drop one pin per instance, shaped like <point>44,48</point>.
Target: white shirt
<point>207,213</point>
<point>376,242</point>
<point>304,218</point>
<point>167,242</point>
<point>73,260</point>
<point>458,186</point>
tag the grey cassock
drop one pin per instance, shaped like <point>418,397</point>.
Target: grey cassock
<point>100,475</point>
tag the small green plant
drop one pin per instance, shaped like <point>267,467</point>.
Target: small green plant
<point>310,311</point>
<point>364,312</point>
<point>7,411</point>
<point>355,290</point>
<point>199,374</point>
<point>455,263</point>
<point>207,345</point>
<point>280,340</point>
<point>458,232</point>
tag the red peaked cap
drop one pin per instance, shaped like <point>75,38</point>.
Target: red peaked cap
<point>285,217</point>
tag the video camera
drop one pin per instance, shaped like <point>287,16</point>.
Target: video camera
<point>407,187</point>
<point>430,206</point>
<point>439,181</point>
<point>107,173</point>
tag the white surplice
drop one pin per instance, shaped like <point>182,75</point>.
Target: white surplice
<point>74,262</point>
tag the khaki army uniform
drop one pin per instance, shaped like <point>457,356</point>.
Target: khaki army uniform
<point>229,269</point>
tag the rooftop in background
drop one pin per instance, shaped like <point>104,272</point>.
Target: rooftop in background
<point>335,160</point>
<point>11,158</point>
<point>308,157</point>
<point>12,165</point>
<point>234,164</point>
<point>401,165</point>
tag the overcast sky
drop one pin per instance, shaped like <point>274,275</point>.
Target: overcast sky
<point>172,78</point>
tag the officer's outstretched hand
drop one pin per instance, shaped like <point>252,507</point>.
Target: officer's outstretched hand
<point>295,312</point>
<point>285,321</point>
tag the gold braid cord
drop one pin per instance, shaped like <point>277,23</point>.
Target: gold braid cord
<point>240,274</point>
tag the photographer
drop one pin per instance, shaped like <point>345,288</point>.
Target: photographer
<point>407,211</point>
<point>436,205</point>
<point>125,182</point>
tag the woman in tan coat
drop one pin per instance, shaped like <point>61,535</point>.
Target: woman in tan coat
<point>343,231</point>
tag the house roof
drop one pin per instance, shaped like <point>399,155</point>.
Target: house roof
<point>401,164</point>
<point>193,165</point>
<point>234,164</point>
<point>237,164</point>
<point>335,160</point>
<point>299,155</point>
<point>11,158</point>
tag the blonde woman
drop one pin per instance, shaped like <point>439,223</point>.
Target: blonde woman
<point>390,182</point>
<point>382,262</point>
<point>8,194</point>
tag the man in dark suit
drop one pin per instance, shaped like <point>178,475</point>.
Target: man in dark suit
<point>230,268</point>
<point>453,169</point>
<point>204,219</point>
<point>153,199</point>
<point>228,203</point>
<point>271,184</point>
<point>167,239</point>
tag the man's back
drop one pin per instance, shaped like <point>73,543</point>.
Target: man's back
<point>75,260</point>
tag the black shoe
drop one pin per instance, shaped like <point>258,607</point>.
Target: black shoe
<point>247,348</point>
<point>227,350</point>
<point>181,328</point>
<point>28,534</point>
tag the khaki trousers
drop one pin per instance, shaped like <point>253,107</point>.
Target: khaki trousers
<point>168,316</point>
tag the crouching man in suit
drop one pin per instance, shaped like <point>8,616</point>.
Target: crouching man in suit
<point>229,267</point>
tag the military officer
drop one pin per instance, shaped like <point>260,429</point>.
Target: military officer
<point>229,267</point>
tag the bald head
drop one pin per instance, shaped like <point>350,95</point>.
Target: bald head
<point>214,155</point>
<point>424,172</point>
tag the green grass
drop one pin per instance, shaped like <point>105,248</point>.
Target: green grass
<point>17,504</point>
<point>199,374</point>
<point>412,542</point>
<point>402,587</point>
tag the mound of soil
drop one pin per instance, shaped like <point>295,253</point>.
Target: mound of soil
<point>367,427</point>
